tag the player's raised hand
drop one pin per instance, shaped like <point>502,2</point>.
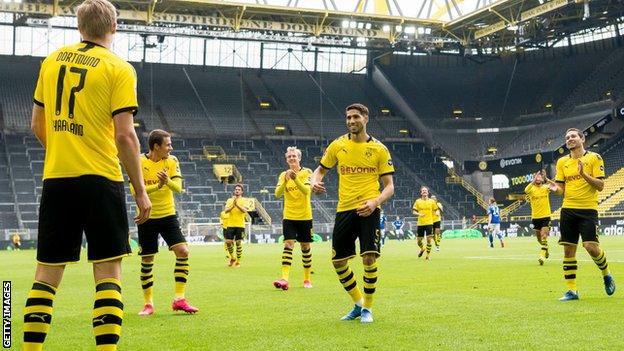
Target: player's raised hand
<point>162,178</point>
<point>319,188</point>
<point>367,208</point>
<point>290,174</point>
<point>581,170</point>
<point>144,207</point>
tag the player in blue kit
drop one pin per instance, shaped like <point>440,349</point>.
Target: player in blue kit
<point>494,223</point>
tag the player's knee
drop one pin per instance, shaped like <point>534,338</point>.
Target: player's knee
<point>147,259</point>
<point>305,246</point>
<point>339,264</point>
<point>289,244</point>
<point>369,259</point>
<point>229,242</point>
<point>181,251</point>
<point>592,248</point>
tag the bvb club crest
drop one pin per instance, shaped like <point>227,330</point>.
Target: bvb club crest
<point>483,165</point>
<point>538,158</point>
<point>369,152</point>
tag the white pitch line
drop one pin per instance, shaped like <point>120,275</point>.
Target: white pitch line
<point>516,258</point>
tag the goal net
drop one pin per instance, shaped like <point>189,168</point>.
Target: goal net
<point>206,233</point>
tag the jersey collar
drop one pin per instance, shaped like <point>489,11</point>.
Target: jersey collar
<point>92,43</point>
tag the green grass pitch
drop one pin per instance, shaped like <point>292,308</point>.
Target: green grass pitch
<point>468,297</point>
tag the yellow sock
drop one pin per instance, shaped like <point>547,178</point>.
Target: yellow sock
<point>601,262</point>
<point>107,314</point>
<point>347,279</point>
<point>370,282</point>
<point>180,274</point>
<point>569,272</point>
<point>38,315</point>
<point>228,251</point>
<point>287,256</point>
<point>306,258</point>
<point>147,281</point>
<point>239,250</point>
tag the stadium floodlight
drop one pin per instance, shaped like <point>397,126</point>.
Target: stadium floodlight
<point>385,28</point>
<point>360,25</point>
<point>368,26</point>
<point>478,118</point>
<point>549,105</point>
<point>345,24</point>
<point>352,24</point>
<point>410,30</point>
<point>398,28</point>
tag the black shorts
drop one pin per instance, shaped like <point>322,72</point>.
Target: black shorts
<point>168,227</point>
<point>437,225</point>
<point>576,222</point>
<point>234,233</point>
<point>423,230</point>
<point>539,223</point>
<point>298,230</point>
<point>91,204</point>
<point>348,227</point>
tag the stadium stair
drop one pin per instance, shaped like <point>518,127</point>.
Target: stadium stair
<point>453,178</point>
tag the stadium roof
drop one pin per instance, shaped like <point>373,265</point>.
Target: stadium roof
<point>437,10</point>
<point>416,25</point>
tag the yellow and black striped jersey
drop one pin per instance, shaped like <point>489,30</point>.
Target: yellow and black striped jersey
<point>223,218</point>
<point>359,167</point>
<point>163,204</point>
<point>539,197</point>
<point>579,194</point>
<point>81,87</point>
<point>237,217</point>
<point>425,208</point>
<point>297,205</point>
<point>437,213</point>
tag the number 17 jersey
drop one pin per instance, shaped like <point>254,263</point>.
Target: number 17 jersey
<point>81,87</point>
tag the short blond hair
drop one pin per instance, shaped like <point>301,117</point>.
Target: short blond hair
<point>96,18</point>
<point>293,149</point>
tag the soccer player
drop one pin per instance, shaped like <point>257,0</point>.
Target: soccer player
<point>437,222</point>
<point>162,178</point>
<point>17,241</point>
<point>493,226</point>
<point>398,228</point>
<point>294,185</point>
<point>360,160</point>
<point>579,178</point>
<point>229,250</point>
<point>382,227</point>
<point>423,209</point>
<point>538,193</point>
<point>237,208</point>
<point>83,110</point>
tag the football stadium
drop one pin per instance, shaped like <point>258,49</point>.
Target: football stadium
<point>312,174</point>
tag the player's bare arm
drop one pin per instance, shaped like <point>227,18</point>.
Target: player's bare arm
<point>369,206</point>
<point>128,148</point>
<point>318,187</point>
<point>37,124</point>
